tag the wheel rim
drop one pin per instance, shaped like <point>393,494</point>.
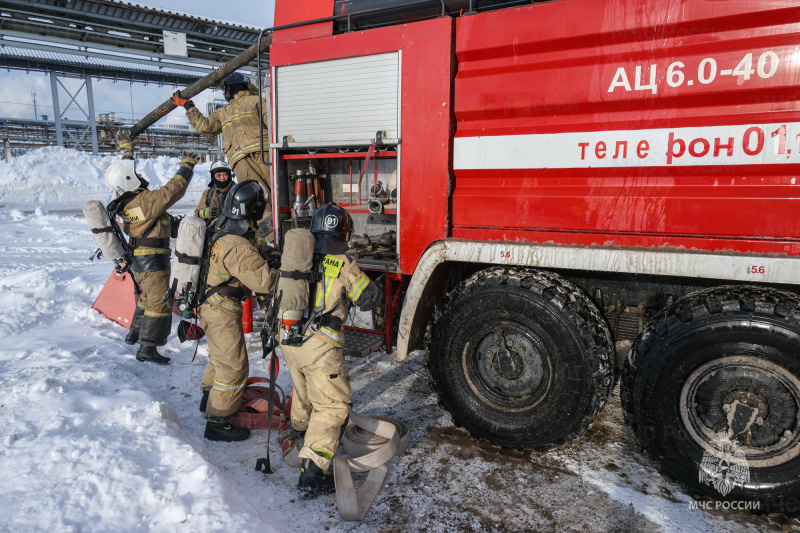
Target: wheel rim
<point>508,366</point>
<point>751,401</point>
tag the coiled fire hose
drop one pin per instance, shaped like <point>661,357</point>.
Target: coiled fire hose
<point>372,442</point>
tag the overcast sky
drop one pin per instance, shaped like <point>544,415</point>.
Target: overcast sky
<point>16,100</point>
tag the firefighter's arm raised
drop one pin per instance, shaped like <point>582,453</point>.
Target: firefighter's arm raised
<point>360,289</point>
<point>161,199</point>
<point>125,143</point>
<point>208,126</point>
<point>244,263</point>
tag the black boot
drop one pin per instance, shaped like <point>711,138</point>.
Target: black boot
<point>204,401</point>
<point>225,431</point>
<point>149,353</point>
<point>132,337</point>
<point>136,323</point>
<point>313,481</point>
<point>154,331</point>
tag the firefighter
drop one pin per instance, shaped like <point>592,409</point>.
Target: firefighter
<point>240,125</point>
<point>322,397</point>
<point>221,182</point>
<point>146,221</point>
<point>235,268</point>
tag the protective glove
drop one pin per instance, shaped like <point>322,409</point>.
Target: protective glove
<point>181,102</point>
<point>190,156</point>
<point>270,255</point>
<point>210,213</point>
<point>125,143</point>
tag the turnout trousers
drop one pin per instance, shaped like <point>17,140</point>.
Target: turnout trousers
<point>322,396</point>
<point>227,371</point>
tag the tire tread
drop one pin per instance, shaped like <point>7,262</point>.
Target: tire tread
<point>580,311</point>
<point>760,301</point>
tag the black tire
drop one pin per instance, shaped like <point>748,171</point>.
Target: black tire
<point>724,353</point>
<point>551,365</point>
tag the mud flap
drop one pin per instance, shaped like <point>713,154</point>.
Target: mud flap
<point>117,300</point>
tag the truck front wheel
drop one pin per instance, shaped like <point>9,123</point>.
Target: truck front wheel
<point>711,388</point>
<point>521,358</point>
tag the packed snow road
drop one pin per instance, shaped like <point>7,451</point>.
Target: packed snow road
<point>92,440</point>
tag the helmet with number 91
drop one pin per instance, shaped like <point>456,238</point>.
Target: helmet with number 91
<point>245,201</point>
<point>332,227</point>
<point>244,205</point>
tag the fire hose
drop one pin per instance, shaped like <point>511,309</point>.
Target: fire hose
<point>372,442</point>
<point>214,78</point>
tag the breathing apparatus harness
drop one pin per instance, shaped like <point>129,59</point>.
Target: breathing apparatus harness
<point>312,316</point>
<point>116,209</point>
<point>124,261</point>
<point>189,296</point>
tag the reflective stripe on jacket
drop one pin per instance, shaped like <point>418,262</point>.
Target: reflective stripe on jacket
<point>213,197</point>
<point>236,262</point>
<point>148,209</point>
<point>342,283</point>
<point>239,124</point>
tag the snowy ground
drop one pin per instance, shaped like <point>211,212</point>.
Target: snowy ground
<point>92,440</point>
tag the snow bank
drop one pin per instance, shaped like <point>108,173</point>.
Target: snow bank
<point>64,179</point>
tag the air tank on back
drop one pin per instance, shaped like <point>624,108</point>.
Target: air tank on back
<point>402,11</point>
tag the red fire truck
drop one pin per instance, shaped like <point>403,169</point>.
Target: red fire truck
<point>570,180</point>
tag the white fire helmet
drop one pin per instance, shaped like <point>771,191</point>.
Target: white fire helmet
<point>121,176</point>
<point>216,166</point>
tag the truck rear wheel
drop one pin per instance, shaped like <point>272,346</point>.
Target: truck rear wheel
<point>711,388</point>
<point>521,358</point>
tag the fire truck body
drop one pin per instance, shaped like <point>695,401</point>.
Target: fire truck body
<point>572,174</point>
<point>614,124</point>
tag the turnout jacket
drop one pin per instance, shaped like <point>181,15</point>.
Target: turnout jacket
<point>146,221</point>
<point>235,262</point>
<point>342,283</point>
<point>239,124</point>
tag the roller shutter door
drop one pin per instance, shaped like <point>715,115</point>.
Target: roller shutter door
<point>342,101</point>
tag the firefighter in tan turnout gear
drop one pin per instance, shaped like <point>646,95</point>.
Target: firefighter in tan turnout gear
<point>146,221</point>
<point>221,182</point>
<point>240,124</point>
<point>322,397</point>
<point>235,268</point>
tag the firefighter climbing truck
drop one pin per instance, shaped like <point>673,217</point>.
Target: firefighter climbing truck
<point>573,180</point>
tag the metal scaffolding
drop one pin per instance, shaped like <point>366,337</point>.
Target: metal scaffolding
<point>111,26</point>
<point>116,40</point>
<point>20,135</point>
